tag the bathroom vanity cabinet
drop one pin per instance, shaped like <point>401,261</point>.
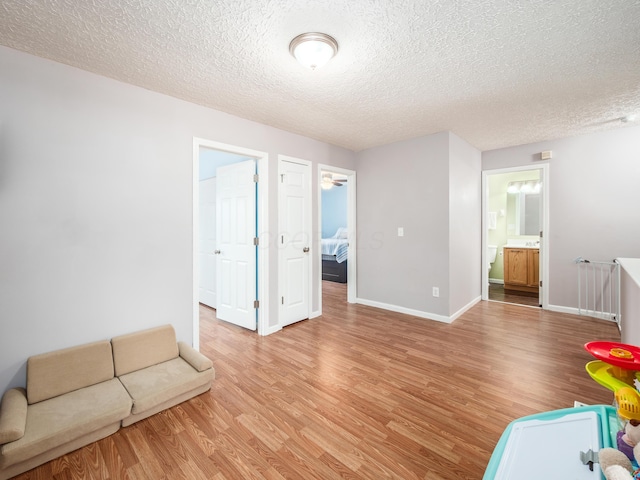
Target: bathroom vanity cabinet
<point>521,269</point>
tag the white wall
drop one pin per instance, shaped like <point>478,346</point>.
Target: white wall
<point>594,199</point>
<point>465,226</point>
<point>630,301</point>
<point>404,184</point>
<point>429,186</point>
<point>96,205</point>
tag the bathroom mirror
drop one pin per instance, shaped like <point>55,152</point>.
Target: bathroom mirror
<point>523,213</point>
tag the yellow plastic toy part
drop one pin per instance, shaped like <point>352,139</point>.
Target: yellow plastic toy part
<point>620,353</point>
<point>628,401</point>
<point>613,378</point>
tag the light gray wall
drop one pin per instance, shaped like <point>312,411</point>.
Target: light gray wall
<point>594,199</point>
<point>96,205</point>
<point>465,214</point>
<point>404,184</point>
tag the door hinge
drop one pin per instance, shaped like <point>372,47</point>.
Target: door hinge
<point>540,282</point>
<point>256,241</point>
<point>282,178</point>
<point>256,304</point>
<point>256,177</point>
<point>540,233</point>
<point>282,301</point>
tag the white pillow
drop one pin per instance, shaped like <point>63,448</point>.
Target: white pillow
<point>341,233</point>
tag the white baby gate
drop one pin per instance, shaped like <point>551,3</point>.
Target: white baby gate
<point>599,289</point>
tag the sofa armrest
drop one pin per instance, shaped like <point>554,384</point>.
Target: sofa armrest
<point>194,357</point>
<point>13,415</point>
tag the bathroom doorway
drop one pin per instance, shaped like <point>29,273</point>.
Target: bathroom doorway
<point>514,243</point>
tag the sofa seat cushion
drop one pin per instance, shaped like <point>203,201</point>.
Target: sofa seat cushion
<point>62,419</point>
<point>160,383</point>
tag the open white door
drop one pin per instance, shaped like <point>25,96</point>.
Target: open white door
<point>207,242</point>
<point>236,252</point>
<point>294,210</point>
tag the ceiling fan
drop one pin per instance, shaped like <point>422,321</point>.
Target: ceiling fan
<point>328,181</point>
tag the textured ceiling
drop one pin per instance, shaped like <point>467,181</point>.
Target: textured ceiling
<point>495,72</point>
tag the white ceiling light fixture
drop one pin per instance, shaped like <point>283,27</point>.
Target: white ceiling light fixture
<point>327,181</point>
<point>314,49</point>
<point>528,186</point>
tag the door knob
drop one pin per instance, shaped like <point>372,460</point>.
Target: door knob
<point>305,249</point>
<point>217,252</point>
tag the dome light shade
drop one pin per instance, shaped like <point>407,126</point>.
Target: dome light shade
<point>313,50</point>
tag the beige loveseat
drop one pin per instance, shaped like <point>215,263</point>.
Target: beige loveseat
<point>81,394</point>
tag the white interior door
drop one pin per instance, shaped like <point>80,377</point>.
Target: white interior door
<point>294,213</point>
<point>236,252</point>
<point>207,242</point>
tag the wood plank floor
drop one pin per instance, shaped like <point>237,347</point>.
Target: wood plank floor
<point>358,393</point>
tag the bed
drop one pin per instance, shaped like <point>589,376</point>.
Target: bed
<point>334,257</point>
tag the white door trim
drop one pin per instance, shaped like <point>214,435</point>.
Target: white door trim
<point>262,161</point>
<point>352,286</point>
<point>544,241</point>
<point>308,164</point>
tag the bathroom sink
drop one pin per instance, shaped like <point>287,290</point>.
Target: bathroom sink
<point>523,244</point>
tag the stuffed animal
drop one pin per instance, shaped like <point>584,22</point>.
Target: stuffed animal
<point>629,438</point>
<point>615,465</point>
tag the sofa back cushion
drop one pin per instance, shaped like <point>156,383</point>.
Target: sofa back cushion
<point>138,350</point>
<point>62,371</point>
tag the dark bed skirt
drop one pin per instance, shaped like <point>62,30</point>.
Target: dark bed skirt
<point>332,270</point>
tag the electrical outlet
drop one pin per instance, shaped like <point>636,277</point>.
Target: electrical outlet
<point>436,292</point>
<point>400,231</point>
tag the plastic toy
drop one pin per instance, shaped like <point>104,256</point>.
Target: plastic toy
<point>618,354</point>
<point>617,369</point>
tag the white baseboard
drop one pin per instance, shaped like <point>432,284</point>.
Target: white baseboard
<point>315,314</point>
<point>496,280</point>
<point>562,309</point>
<point>464,309</point>
<point>406,311</point>
<point>574,311</point>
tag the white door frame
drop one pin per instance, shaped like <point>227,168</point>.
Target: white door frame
<point>307,163</point>
<point>352,287</point>
<point>544,241</point>
<point>262,162</point>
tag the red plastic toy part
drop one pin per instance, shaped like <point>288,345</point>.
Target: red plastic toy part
<point>617,354</point>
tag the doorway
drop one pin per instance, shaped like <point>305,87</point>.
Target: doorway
<point>209,158</point>
<point>337,227</point>
<point>515,235</point>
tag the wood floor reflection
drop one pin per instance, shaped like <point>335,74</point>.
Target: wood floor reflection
<point>497,293</point>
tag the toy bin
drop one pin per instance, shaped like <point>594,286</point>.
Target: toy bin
<point>548,444</point>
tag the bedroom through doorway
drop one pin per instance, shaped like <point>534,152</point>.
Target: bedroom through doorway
<point>336,205</point>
